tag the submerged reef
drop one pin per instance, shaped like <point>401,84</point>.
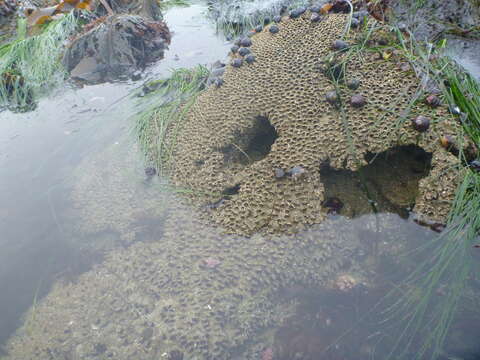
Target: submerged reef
<point>164,296</point>
<point>273,114</point>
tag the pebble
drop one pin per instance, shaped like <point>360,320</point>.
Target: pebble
<point>315,17</point>
<point>277,18</point>
<point>332,97</point>
<point>250,59</point>
<point>274,29</point>
<point>355,23</point>
<point>297,12</point>
<point>339,45</point>
<point>246,42</point>
<point>358,101</point>
<point>234,48</point>
<point>421,123</point>
<point>237,63</point>
<point>267,21</point>
<point>405,66</point>
<point>218,82</point>
<point>218,72</point>
<point>433,101</point>
<point>243,51</point>
<point>251,33</point>
<point>353,84</point>
<point>279,173</point>
<point>315,8</point>
<point>360,15</point>
<point>259,28</point>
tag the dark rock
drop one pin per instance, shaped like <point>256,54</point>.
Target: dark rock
<point>251,33</point>
<point>421,123</point>
<point>279,173</point>
<point>475,165</point>
<point>267,21</point>
<point>218,65</point>
<point>89,56</point>
<point>277,18</point>
<point>218,82</point>
<point>315,8</point>
<point>315,17</point>
<point>238,42</point>
<point>334,71</point>
<point>236,63</point>
<point>353,84</point>
<point>246,42</point>
<point>234,49</point>
<point>217,72</point>
<point>332,97</point>
<point>433,100</point>
<point>150,171</point>
<point>274,29</point>
<point>243,51</point>
<point>355,23</point>
<point>358,101</point>
<point>339,45</point>
<point>250,59</point>
<point>296,13</point>
<point>259,28</point>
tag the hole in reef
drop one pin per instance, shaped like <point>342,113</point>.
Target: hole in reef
<point>251,145</point>
<point>389,183</point>
<point>233,190</point>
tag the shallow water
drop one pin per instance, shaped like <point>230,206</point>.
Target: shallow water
<point>75,200</point>
<point>466,53</point>
<point>40,150</point>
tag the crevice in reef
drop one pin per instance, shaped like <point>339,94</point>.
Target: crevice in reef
<point>251,145</point>
<point>389,183</point>
<point>232,190</point>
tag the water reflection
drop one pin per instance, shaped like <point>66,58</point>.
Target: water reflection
<point>43,236</point>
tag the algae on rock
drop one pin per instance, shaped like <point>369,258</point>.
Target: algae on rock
<point>286,85</point>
